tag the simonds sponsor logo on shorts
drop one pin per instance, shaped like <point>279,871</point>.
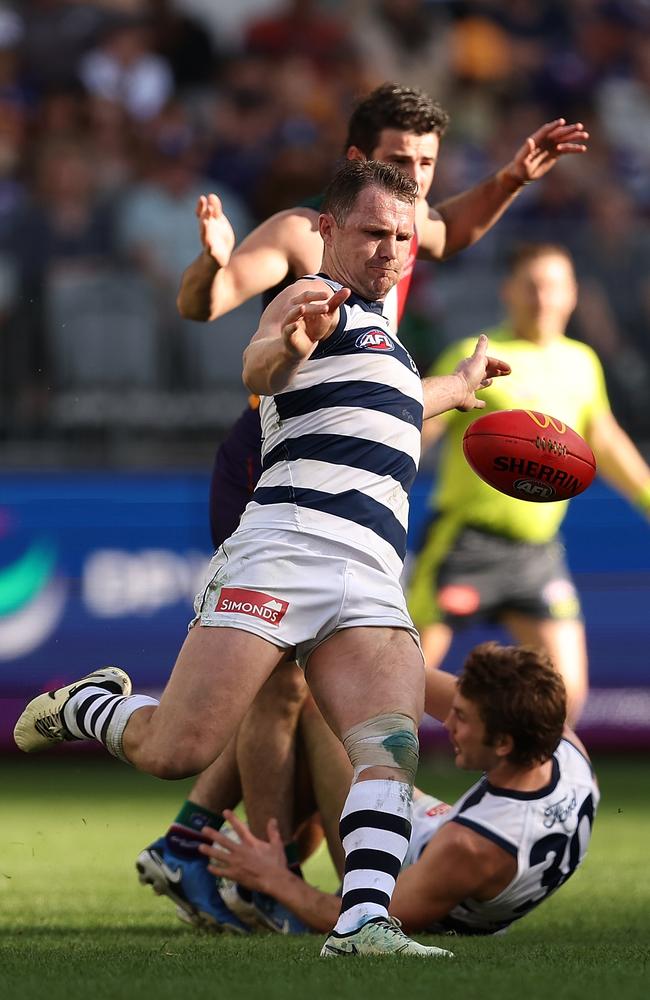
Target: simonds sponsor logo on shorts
<point>252,602</point>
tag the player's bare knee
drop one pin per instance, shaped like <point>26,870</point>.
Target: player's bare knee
<point>167,768</point>
<point>286,689</point>
<point>174,762</point>
<point>388,740</point>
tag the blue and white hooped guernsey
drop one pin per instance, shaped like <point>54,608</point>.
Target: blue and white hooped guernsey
<point>341,445</point>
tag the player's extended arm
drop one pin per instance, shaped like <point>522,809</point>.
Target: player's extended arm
<point>456,864</point>
<point>261,865</point>
<point>460,221</point>
<point>439,690</point>
<point>290,328</point>
<point>619,461</point>
<point>221,278</point>
<point>457,391</point>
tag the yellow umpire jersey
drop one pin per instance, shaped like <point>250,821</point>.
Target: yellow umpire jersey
<point>563,379</point>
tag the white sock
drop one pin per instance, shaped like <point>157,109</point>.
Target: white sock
<point>375,831</point>
<point>95,713</point>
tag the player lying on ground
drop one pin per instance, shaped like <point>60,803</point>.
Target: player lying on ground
<point>313,568</point>
<point>511,840</point>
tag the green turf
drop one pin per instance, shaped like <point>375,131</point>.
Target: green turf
<point>74,922</point>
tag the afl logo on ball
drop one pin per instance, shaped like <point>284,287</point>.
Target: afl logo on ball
<point>375,340</point>
<point>533,489</point>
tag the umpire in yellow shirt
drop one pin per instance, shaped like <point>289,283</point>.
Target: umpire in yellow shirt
<point>487,556</point>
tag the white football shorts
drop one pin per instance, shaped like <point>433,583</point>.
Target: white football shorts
<point>296,590</point>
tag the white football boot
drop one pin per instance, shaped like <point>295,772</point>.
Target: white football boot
<point>41,724</point>
<point>379,936</point>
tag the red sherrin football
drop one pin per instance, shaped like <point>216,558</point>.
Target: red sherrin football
<point>529,455</point>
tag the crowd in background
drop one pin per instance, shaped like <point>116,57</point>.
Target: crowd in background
<point>116,114</point>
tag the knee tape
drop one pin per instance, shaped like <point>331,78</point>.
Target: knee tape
<point>389,740</point>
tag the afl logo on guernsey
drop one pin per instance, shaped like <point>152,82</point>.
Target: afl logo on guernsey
<point>375,340</point>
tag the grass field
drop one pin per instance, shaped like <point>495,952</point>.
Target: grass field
<point>75,923</point>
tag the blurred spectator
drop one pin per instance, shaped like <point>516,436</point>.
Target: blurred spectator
<point>185,44</point>
<point>594,47</point>
<point>246,117</point>
<point>157,229</point>
<point>124,69</point>
<point>61,111</point>
<point>481,50</point>
<point>65,222</point>
<point>11,38</point>
<point>63,232</point>
<point>58,32</point>
<point>408,41</point>
<point>612,253</point>
<point>225,22</point>
<point>623,105</point>
<point>14,115</point>
<point>301,28</point>
<point>117,143</point>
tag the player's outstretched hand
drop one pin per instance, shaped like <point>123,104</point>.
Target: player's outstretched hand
<point>541,150</point>
<point>311,317</point>
<point>250,861</point>
<point>477,372</point>
<point>215,231</point>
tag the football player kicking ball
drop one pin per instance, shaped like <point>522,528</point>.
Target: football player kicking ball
<point>504,847</point>
<point>404,127</point>
<point>313,568</point>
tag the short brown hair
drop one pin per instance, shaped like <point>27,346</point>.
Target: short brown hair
<point>343,190</point>
<point>523,253</point>
<point>392,106</point>
<point>519,694</point>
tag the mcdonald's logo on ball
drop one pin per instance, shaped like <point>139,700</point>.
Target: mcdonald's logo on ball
<point>544,421</point>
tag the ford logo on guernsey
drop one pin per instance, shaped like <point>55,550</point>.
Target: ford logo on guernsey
<point>375,340</point>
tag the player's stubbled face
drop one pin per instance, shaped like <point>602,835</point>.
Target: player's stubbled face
<point>371,248</point>
<point>467,735</point>
<point>416,155</point>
